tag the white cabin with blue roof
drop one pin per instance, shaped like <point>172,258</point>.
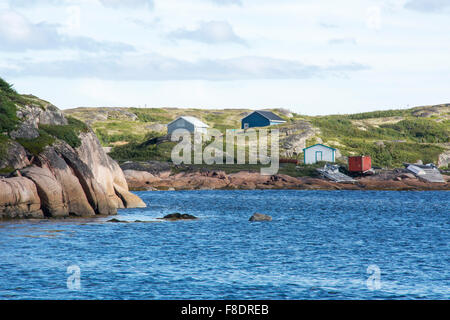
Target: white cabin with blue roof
<point>319,152</point>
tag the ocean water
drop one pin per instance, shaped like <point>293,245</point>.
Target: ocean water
<point>320,245</point>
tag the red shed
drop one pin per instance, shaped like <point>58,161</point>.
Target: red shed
<point>359,164</point>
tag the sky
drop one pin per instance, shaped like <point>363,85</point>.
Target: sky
<point>310,56</point>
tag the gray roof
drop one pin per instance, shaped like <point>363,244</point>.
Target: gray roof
<point>269,115</point>
<point>196,122</point>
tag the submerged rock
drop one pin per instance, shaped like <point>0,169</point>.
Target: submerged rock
<point>117,221</point>
<point>179,216</point>
<point>260,217</point>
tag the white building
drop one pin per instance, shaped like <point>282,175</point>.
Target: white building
<point>191,124</point>
<point>318,152</point>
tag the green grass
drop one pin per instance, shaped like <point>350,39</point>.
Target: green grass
<point>392,154</point>
<point>422,130</point>
<point>106,139</point>
<point>151,114</point>
<point>379,114</point>
<point>134,151</point>
<point>4,141</point>
<point>6,170</point>
<point>69,133</point>
<point>418,136</point>
<point>351,134</point>
<point>8,99</point>
<point>37,145</point>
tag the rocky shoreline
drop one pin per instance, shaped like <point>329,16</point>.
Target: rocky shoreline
<point>245,180</point>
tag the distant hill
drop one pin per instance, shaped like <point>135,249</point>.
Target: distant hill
<point>391,137</point>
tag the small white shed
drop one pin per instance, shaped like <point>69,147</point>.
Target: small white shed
<point>191,124</point>
<point>318,152</point>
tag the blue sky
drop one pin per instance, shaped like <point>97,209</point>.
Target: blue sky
<point>313,57</point>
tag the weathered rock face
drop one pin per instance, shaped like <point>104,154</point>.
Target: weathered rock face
<point>35,115</point>
<point>16,156</point>
<point>61,181</point>
<point>49,190</point>
<point>107,173</point>
<point>26,131</point>
<point>444,159</point>
<point>296,136</point>
<point>19,199</point>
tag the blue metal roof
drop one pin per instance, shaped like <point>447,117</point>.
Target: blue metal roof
<point>268,115</point>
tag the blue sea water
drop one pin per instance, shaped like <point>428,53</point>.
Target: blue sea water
<point>318,246</point>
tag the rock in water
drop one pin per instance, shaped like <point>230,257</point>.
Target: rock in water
<point>179,216</point>
<point>116,221</point>
<point>260,217</point>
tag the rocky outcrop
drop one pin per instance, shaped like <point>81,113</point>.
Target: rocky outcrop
<point>109,174</point>
<point>49,190</point>
<point>156,127</point>
<point>153,167</point>
<point>15,156</point>
<point>392,180</point>
<point>19,199</point>
<point>444,159</point>
<point>295,138</point>
<point>61,181</point>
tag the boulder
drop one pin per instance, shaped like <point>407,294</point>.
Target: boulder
<point>15,156</point>
<point>94,191</point>
<point>444,159</point>
<point>49,190</point>
<point>25,131</point>
<point>129,199</point>
<point>179,216</point>
<point>116,221</point>
<point>19,199</point>
<point>73,192</point>
<point>107,172</point>
<point>260,217</point>
<point>139,180</point>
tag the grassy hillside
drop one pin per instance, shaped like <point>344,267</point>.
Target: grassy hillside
<point>391,137</point>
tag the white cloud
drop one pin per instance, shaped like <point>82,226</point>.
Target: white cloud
<point>227,2</point>
<point>373,19</point>
<point>298,39</point>
<point>19,34</point>
<point>428,5</point>
<point>338,41</point>
<point>157,67</point>
<point>209,32</point>
<point>106,3</point>
<point>127,3</point>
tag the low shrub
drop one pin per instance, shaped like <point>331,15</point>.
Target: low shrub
<point>37,145</point>
<point>69,133</point>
